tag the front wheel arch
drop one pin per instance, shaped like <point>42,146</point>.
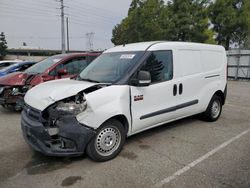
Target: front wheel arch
<point>123,120</point>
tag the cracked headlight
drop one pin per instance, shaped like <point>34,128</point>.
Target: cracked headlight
<point>73,108</point>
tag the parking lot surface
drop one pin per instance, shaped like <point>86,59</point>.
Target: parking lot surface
<point>187,153</point>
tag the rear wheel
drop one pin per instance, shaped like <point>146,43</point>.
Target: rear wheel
<point>108,141</point>
<point>214,109</point>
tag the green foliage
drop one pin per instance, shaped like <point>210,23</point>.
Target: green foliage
<point>179,20</point>
<point>189,20</point>
<point>231,20</point>
<point>142,23</point>
<point>3,46</point>
<point>222,22</point>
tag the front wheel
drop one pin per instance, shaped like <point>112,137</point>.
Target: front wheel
<point>214,109</point>
<point>108,141</point>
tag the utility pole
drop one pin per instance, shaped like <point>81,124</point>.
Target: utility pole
<point>67,27</point>
<point>89,40</point>
<point>62,27</point>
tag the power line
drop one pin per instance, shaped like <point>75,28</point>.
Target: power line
<point>26,8</point>
<point>93,8</point>
<point>26,16</point>
<point>84,11</point>
<point>76,15</point>
<point>34,3</point>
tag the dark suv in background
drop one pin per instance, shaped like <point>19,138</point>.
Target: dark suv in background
<point>14,86</point>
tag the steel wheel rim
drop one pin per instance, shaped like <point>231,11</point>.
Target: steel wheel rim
<point>107,141</point>
<point>216,108</point>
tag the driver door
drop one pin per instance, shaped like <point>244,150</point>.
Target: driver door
<point>153,104</point>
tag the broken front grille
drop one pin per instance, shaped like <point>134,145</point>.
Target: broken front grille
<point>32,113</point>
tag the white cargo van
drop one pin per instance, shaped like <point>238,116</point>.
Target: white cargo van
<point>126,90</point>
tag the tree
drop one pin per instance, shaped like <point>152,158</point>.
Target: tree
<point>231,21</point>
<point>141,24</point>
<point>179,20</point>
<point>3,46</point>
<point>190,22</point>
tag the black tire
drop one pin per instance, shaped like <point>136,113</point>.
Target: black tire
<point>112,131</point>
<point>211,114</point>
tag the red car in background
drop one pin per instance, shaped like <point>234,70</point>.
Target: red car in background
<point>14,86</point>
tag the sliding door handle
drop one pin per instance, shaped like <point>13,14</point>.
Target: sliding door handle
<point>180,89</point>
<point>175,90</point>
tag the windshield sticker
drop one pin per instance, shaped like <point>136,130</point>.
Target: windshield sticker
<point>56,60</point>
<point>127,56</point>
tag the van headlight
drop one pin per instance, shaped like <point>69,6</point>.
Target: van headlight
<point>73,107</point>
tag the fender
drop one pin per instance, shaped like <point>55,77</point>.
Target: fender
<point>114,100</point>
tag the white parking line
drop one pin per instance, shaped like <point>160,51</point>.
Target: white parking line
<point>199,160</point>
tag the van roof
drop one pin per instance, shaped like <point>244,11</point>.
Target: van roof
<point>160,45</point>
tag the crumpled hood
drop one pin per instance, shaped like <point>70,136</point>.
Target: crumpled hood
<point>45,94</point>
<point>14,79</point>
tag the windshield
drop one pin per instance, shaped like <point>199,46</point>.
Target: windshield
<point>42,66</point>
<point>110,67</point>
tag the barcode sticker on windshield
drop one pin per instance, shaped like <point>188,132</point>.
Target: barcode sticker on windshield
<point>127,56</point>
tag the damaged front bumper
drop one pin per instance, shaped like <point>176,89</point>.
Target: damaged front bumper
<point>8,98</point>
<point>68,138</point>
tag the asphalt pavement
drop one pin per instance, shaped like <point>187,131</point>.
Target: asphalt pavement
<point>186,153</point>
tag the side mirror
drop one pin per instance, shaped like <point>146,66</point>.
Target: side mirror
<point>62,72</point>
<point>144,78</point>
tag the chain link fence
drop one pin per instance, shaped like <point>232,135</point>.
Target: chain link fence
<point>238,64</point>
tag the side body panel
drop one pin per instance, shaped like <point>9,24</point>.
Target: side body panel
<point>189,81</point>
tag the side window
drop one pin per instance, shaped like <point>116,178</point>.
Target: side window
<point>74,66</point>
<point>160,66</point>
<point>5,64</point>
<point>24,67</point>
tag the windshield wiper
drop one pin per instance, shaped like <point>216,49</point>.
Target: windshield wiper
<point>88,80</point>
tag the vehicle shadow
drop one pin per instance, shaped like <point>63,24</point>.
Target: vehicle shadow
<point>41,164</point>
<point>162,128</point>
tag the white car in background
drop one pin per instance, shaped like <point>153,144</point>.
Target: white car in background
<point>126,90</point>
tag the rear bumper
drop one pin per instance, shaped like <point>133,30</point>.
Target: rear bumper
<point>71,138</point>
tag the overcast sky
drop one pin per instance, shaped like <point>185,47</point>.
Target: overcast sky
<point>38,23</point>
